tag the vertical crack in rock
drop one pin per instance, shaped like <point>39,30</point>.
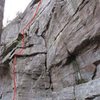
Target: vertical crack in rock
<point>82,4</point>
<point>47,26</point>
<point>94,74</point>
<point>51,84</point>
<point>4,69</point>
<point>95,7</point>
<point>46,71</point>
<point>46,61</point>
<point>68,67</point>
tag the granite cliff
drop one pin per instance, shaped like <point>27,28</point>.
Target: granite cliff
<point>61,56</point>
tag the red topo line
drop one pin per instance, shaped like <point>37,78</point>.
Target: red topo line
<point>14,77</point>
<point>21,51</point>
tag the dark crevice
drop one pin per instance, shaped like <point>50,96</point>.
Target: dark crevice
<point>95,7</point>
<point>51,83</point>
<point>71,57</point>
<point>60,63</point>
<point>63,28</point>
<point>83,3</point>
<point>9,49</point>
<point>12,52</point>
<point>36,30</point>
<point>46,62</point>
<point>34,54</point>
<point>96,63</point>
<point>12,46</point>
<point>43,33</point>
<point>53,9</point>
<point>78,50</point>
<point>92,97</point>
<point>34,2</point>
<point>94,74</point>
<point>20,37</point>
<point>86,43</point>
<point>80,47</point>
<point>4,69</point>
<point>47,25</point>
<point>43,36</point>
<point>57,64</point>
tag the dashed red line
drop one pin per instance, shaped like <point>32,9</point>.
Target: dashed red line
<point>21,51</point>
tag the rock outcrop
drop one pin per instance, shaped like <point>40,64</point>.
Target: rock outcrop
<point>61,56</point>
<point>1,14</point>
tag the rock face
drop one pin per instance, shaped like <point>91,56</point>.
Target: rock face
<point>61,56</point>
<point>1,14</point>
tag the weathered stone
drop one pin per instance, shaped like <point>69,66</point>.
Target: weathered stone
<point>88,72</point>
<point>65,94</point>
<point>87,90</point>
<point>62,77</point>
<point>60,59</point>
<point>10,32</point>
<point>97,73</point>
<point>2,2</point>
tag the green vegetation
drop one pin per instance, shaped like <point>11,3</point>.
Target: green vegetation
<point>78,76</point>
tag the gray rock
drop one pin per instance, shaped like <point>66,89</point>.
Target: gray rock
<point>60,59</point>
<point>2,2</point>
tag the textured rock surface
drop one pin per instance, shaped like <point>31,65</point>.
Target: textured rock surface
<point>61,57</point>
<point>1,14</point>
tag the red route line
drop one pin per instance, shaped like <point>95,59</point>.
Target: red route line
<point>21,51</point>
